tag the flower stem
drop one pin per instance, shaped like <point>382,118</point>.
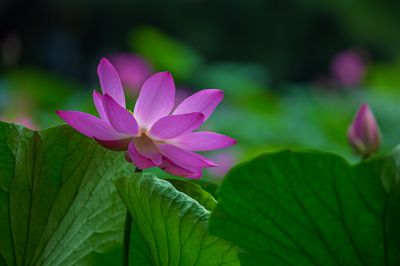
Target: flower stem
<point>127,238</point>
<point>127,233</point>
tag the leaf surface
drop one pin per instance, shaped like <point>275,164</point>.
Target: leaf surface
<point>172,224</point>
<point>306,208</point>
<point>57,200</point>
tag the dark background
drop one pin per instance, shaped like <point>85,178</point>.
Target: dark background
<point>294,40</point>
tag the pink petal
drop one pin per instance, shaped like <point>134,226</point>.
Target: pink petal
<point>174,169</point>
<point>203,101</point>
<point>364,124</point>
<point>137,159</point>
<point>184,158</point>
<point>146,148</point>
<point>203,141</point>
<point>97,99</point>
<point>120,118</point>
<point>115,145</point>
<point>175,125</point>
<point>132,69</point>
<point>110,82</point>
<point>90,125</point>
<point>156,99</point>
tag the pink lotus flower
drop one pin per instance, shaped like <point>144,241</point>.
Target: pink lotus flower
<point>152,135</point>
<point>363,134</point>
<point>348,68</point>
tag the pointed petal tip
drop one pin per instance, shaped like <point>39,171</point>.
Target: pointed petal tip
<point>162,74</point>
<point>97,93</point>
<point>66,115</point>
<point>166,73</point>
<point>104,60</point>
<point>102,63</point>
<point>98,102</point>
<point>204,101</point>
<point>212,164</point>
<point>364,112</point>
<point>219,94</point>
<point>365,107</point>
<point>213,90</point>
<point>229,140</point>
<point>197,115</point>
<point>204,141</point>
<point>61,113</point>
<point>110,82</point>
<point>233,141</point>
<point>216,91</point>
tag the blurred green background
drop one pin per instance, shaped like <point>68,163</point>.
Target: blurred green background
<point>294,72</point>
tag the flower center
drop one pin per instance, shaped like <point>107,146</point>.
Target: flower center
<point>144,143</point>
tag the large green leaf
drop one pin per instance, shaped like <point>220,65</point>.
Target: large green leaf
<point>303,208</point>
<point>108,257</point>
<point>140,253</point>
<point>196,192</point>
<point>173,225</point>
<point>57,200</point>
<point>391,178</point>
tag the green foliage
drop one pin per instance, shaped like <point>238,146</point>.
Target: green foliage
<point>356,19</point>
<point>34,87</point>
<point>385,78</point>
<point>195,192</point>
<point>172,224</point>
<point>297,208</point>
<point>104,258</point>
<point>57,200</point>
<point>234,78</point>
<point>165,52</point>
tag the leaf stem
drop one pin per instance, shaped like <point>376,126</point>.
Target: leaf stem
<point>127,238</point>
<point>127,233</point>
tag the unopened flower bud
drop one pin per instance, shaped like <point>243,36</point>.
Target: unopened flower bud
<point>363,133</point>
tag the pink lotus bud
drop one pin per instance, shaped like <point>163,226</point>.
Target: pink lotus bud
<point>363,133</point>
